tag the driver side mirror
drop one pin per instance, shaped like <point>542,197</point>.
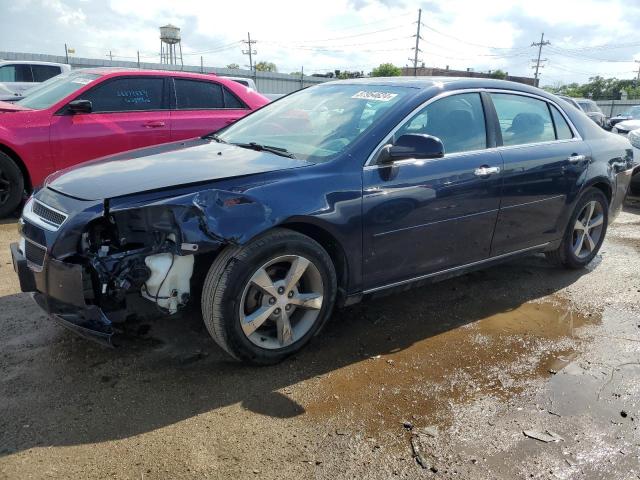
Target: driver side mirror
<point>80,106</point>
<point>416,146</point>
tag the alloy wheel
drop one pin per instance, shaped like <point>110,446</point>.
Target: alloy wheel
<point>587,231</point>
<point>5,188</point>
<point>281,301</point>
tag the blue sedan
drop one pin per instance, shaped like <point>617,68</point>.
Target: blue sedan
<point>319,199</point>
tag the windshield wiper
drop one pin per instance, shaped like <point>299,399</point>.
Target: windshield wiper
<point>283,152</point>
<point>213,136</point>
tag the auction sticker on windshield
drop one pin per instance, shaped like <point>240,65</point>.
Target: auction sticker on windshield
<point>82,80</point>
<point>379,96</point>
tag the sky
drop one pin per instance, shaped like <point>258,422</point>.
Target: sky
<point>588,37</point>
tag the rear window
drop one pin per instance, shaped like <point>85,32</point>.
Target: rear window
<point>523,119</point>
<point>231,101</point>
<point>563,131</point>
<point>43,73</point>
<point>198,95</point>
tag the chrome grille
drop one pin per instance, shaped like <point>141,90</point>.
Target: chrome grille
<point>34,253</point>
<point>48,214</point>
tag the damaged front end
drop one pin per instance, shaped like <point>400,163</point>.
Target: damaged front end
<point>125,258</point>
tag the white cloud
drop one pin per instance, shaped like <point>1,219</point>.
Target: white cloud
<point>340,34</point>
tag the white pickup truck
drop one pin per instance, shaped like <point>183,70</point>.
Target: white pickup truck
<point>20,75</point>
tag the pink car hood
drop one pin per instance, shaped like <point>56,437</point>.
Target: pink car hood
<point>12,107</point>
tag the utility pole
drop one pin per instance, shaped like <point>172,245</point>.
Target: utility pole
<point>541,44</point>
<point>201,64</point>
<point>302,77</point>
<point>110,56</point>
<point>66,53</point>
<point>249,51</point>
<point>138,59</point>
<point>638,77</point>
<point>417,47</point>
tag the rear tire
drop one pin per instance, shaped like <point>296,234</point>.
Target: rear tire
<point>585,232</point>
<point>248,287</point>
<point>634,188</point>
<point>11,185</point>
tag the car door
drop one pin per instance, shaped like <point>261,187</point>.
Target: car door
<point>543,159</point>
<point>127,113</point>
<point>426,216</point>
<point>201,107</point>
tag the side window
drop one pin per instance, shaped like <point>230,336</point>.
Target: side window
<point>197,95</point>
<point>15,73</point>
<point>563,132</point>
<point>126,94</point>
<point>242,82</point>
<point>231,101</point>
<point>523,119</point>
<point>8,73</point>
<point>42,73</point>
<point>457,120</point>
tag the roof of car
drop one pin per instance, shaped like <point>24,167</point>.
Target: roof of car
<point>429,82</point>
<point>114,71</point>
<point>30,62</point>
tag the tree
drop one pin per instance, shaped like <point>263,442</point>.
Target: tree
<point>233,66</point>
<point>266,67</point>
<point>386,70</point>
<point>498,74</point>
<point>295,74</point>
<point>598,88</point>
<point>346,74</point>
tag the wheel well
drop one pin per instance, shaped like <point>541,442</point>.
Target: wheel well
<point>331,245</point>
<point>14,156</point>
<point>604,188</point>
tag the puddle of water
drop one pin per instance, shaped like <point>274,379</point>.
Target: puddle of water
<point>494,356</point>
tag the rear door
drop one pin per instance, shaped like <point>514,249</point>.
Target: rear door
<point>201,107</point>
<point>543,159</point>
<point>128,112</point>
<point>427,216</point>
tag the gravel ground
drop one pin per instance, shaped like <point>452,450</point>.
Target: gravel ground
<point>437,382</point>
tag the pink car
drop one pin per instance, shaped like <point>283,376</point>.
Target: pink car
<point>91,113</point>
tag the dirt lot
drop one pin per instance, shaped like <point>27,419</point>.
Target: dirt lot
<point>448,376</point>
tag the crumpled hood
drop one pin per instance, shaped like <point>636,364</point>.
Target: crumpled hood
<point>164,166</point>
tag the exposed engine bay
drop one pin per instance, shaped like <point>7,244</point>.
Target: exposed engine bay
<point>138,251</point>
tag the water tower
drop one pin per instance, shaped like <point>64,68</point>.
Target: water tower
<point>170,46</point>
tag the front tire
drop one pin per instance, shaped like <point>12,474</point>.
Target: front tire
<point>264,301</point>
<point>585,232</point>
<point>11,185</point>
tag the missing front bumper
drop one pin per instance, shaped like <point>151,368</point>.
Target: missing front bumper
<point>64,297</point>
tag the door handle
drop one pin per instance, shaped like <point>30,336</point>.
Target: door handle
<point>154,124</point>
<point>484,171</point>
<point>576,158</point>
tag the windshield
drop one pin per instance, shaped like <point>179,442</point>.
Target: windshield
<point>55,89</point>
<point>317,123</point>
<point>633,112</point>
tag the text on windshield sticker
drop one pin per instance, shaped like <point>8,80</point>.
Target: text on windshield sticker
<point>378,96</point>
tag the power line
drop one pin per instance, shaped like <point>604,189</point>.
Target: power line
<point>364,34</point>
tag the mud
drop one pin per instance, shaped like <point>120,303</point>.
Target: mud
<point>455,371</point>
